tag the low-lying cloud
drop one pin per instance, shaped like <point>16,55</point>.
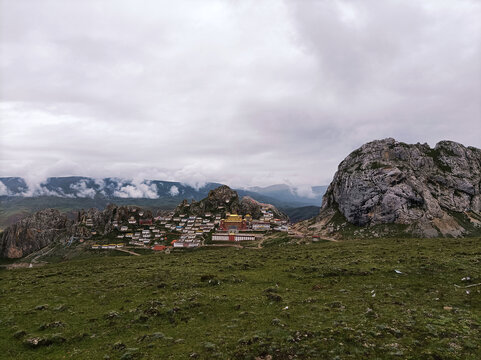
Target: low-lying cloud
<point>82,190</point>
<point>137,190</point>
<point>174,190</point>
<point>3,190</point>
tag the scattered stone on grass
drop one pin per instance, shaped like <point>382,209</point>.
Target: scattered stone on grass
<point>19,334</point>
<point>54,324</point>
<point>274,297</point>
<point>112,315</point>
<point>119,345</point>
<point>209,346</point>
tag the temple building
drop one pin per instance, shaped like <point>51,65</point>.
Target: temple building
<point>233,222</point>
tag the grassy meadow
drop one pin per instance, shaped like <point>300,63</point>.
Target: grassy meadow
<point>327,300</point>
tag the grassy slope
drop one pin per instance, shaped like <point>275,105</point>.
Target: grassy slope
<point>228,303</point>
<point>301,213</point>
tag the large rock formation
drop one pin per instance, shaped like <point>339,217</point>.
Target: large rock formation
<point>430,191</point>
<point>33,233</point>
<point>225,200</point>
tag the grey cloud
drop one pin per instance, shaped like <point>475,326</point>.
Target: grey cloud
<point>244,93</point>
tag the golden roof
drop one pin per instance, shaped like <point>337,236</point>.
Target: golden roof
<point>234,218</point>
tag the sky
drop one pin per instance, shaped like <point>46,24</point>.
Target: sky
<point>238,92</point>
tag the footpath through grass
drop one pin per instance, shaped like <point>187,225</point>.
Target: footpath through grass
<point>327,300</point>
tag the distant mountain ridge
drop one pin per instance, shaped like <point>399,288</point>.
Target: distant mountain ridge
<point>19,198</point>
<point>85,187</point>
<point>112,188</point>
<point>293,195</point>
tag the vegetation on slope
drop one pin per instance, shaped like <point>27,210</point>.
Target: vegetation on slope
<point>301,213</point>
<point>341,300</point>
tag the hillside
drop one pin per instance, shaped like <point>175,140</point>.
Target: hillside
<point>326,300</point>
<point>293,196</point>
<point>301,213</point>
<point>224,200</point>
<point>389,187</point>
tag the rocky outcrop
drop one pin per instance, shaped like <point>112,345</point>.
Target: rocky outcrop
<point>33,233</point>
<point>430,191</point>
<point>224,200</point>
<point>47,226</point>
<point>103,220</point>
<point>220,200</point>
<point>250,206</point>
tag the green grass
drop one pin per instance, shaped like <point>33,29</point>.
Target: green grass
<point>436,155</point>
<point>465,222</point>
<point>63,253</point>
<point>289,301</point>
<point>349,231</point>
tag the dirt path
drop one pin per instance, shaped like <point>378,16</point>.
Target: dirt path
<point>259,245</point>
<point>35,259</point>
<point>128,251</point>
<point>225,245</point>
<point>329,239</point>
<point>300,234</point>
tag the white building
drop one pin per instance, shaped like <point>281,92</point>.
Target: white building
<point>261,226</point>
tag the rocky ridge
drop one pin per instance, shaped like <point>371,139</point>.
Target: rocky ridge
<point>428,192</point>
<point>224,200</point>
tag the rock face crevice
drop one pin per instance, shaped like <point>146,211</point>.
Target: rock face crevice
<point>390,182</point>
<point>33,233</point>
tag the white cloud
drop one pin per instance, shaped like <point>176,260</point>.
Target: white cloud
<point>3,189</point>
<point>136,190</point>
<point>82,190</point>
<point>36,187</point>
<point>174,190</point>
<point>304,191</point>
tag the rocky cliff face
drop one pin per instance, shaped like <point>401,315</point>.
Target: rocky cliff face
<point>34,233</point>
<point>431,191</point>
<point>49,225</point>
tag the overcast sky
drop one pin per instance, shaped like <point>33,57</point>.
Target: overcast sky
<point>238,92</point>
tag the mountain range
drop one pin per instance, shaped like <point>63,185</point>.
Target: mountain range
<point>19,197</point>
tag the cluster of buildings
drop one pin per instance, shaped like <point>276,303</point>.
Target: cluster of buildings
<point>237,228</point>
<point>184,231</point>
<point>107,247</point>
